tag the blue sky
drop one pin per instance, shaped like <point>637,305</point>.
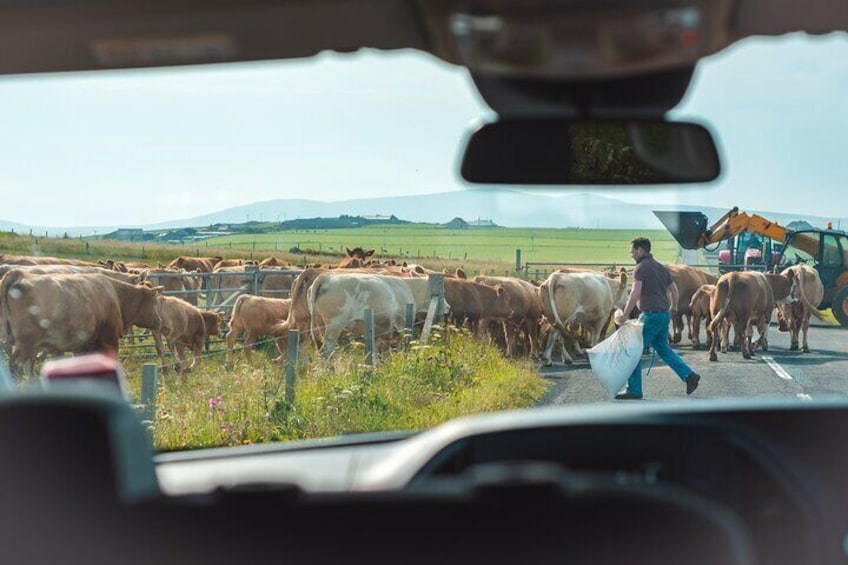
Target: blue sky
<point>148,146</point>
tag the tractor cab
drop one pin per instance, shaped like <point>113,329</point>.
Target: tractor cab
<point>824,250</point>
<point>748,251</point>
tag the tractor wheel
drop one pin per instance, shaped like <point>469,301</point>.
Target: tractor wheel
<point>840,306</point>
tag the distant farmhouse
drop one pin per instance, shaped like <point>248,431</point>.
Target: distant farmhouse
<point>129,234</point>
<point>460,224</point>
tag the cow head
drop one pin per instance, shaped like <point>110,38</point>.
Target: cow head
<point>211,323</point>
<point>461,274</point>
<point>358,252</point>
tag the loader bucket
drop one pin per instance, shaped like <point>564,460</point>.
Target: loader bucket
<point>686,227</point>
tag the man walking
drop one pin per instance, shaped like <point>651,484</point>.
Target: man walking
<point>651,283</point>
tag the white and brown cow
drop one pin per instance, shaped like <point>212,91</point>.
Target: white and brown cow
<point>255,316</point>
<point>795,316</point>
<point>745,299</point>
<point>337,302</point>
<point>579,297</point>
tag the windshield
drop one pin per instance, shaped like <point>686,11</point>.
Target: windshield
<point>285,250</point>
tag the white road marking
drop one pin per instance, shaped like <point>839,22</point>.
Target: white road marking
<point>775,366</point>
<point>804,396</point>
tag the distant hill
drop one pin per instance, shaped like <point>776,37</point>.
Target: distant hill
<point>506,208</point>
<point>509,208</point>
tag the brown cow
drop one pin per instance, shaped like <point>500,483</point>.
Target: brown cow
<point>182,327</point>
<point>74,270</point>
<point>699,306</point>
<point>356,258</point>
<point>688,280</point>
<point>226,281</point>
<point>298,318</point>
<point>201,264</point>
<point>7,259</point>
<point>745,299</point>
<point>276,285</point>
<point>272,261</point>
<point>476,304</point>
<point>795,317</point>
<point>57,314</point>
<point>224,263</point>
<point>256,316</point>
<point>176,281</point>
<point>525,307</point>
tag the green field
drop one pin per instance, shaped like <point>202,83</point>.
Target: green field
<point>419,242</point>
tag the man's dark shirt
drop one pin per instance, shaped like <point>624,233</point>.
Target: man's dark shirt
<point>655,282</point>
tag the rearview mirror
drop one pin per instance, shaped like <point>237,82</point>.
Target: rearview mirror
<point>615,152</point>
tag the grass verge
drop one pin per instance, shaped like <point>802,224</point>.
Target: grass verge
<point>418,388</point>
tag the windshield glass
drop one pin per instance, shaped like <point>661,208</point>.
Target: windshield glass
<point>285,250</point>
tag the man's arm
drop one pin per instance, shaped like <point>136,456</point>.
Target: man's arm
<point>675,296</point>
<point>633,299</point>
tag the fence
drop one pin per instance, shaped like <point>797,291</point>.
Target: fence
<point>434,311</point>
<point>540,270</point>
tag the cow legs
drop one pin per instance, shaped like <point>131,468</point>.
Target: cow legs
<point>805,325</point>
<point>677,325</point>
<point>232,336</point>
<point>741,329</point>
<point>160,351</point>
<point>552,339</point>
<point>691,329</point>
<point>531,330</point>
<point>695,331</point>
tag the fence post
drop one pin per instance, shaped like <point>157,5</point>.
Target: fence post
<point>370,343</point>
<point>436,287</point>
<point>254,271</point>
<point>87,248</point>
<point>409,321</point>
<point>517,261</point>
<point>149,386</point>
<point>292,351</point>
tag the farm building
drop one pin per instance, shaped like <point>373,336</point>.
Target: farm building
<point>456,224</point>
<point>128,234</point>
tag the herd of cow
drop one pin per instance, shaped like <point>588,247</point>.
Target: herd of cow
<point>54,306</point>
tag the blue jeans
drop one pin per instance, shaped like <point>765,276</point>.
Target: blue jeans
<point>655,334</point>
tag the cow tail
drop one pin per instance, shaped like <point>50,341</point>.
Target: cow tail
<point>551,292</point>
<point>716,323</point>
<point>806,301</point>
<point>236,309</point>
<point>312,295</point>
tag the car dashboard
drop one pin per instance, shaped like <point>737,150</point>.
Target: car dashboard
<point>779,468</point>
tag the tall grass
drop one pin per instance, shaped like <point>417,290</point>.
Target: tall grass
<point>410,389</point>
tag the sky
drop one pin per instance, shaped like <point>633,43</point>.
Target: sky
<point>140,147</point>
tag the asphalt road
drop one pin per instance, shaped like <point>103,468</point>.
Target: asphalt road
<point>777,373</point>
